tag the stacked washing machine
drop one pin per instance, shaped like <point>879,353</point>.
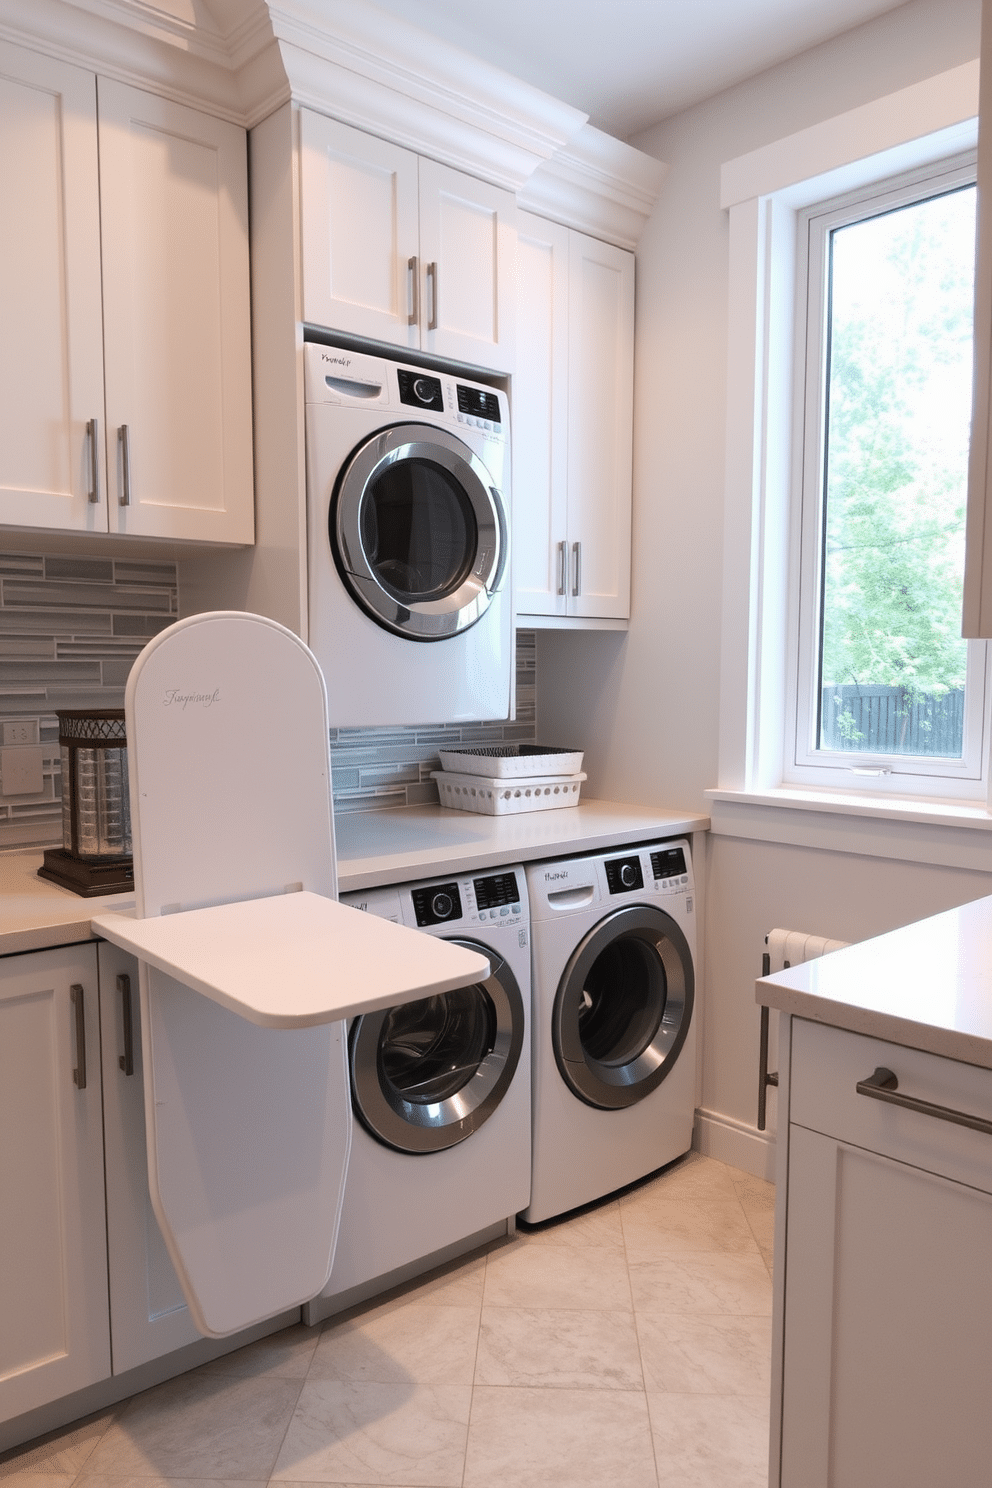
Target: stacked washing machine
<point>441,1088</point>
<point>614,1037</point>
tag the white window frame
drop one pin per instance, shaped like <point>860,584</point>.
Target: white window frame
<point>803,763</point>
<point>762,192</point>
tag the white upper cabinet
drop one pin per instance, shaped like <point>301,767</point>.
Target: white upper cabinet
<point>125,355</point>
<point>400,249</point>
<point>572,423</point>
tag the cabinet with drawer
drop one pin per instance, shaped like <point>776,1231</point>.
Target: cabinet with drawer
<point>886,1330</point>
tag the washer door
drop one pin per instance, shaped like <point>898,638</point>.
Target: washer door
<point>418,532</point>
<point>623,1007</point>
<point>426,1075</point>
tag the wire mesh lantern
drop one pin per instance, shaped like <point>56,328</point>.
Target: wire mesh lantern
<point>95,856</point>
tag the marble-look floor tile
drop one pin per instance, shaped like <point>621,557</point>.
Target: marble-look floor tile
<point>349,1432</point>
<point>683,1226</point>
<point>702,1282</point>
<point>104,1481</point>
<point>403,1340</point>
<point>530,1438</point>
<point>458,1284</point>
<point>691,1177</point>
<point>199,1426</point>
<point>561,1348</point>
<point>683,1354</point>
<point>757,1199</point>
<point>710,1441</point>
<point>61,1453</point>
<point>287,1355</point>
<point>594,1227</point>
<point>35,1477</point>
<point>553,1276</point>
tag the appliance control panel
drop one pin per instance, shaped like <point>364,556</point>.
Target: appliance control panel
<point>419,390</point>
<point>671,872</point>
<point>624,874</point>
<point>488,899</point>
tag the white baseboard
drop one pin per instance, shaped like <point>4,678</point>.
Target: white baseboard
<point>733,1142</point>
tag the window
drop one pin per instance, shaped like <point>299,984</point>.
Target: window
<point>881,683</point>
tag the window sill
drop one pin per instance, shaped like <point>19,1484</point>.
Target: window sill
<point>943,833</point>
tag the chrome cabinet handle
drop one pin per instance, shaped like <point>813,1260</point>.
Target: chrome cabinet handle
<point>766,1077</point>
<point>884,1086</point>
<point>577,581</point>
<point>126,1060</point>
<point>77,999</point>
<point>124,440</point>
<point>562,568</point>
<point>432,278</point>
<point>93,434</point>
<point>413,291</point>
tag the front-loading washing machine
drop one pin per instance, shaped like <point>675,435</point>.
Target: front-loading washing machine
<point>441,1090</point>
<point>408,541</point>
<point>614,1059</point>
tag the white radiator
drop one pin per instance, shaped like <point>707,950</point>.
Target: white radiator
<point>790,947</point>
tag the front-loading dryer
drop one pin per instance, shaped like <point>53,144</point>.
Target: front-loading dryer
<point>614,1032</point>
<point>408,540</point>
<point>441,1090</point>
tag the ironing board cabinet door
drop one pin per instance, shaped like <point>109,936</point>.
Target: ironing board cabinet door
<point>148,1312</point>
<point>54,1337</point>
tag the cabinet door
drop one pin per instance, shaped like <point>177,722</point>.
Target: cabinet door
<point>54,1336</point>
<point>888,1322</point>
<point>539,419</point>
<point>148,1312</point>
<point>359,213</point>
<point>600,427</point>
<point>51,353</point>
<point>174,209</point>
<point>468,268</point>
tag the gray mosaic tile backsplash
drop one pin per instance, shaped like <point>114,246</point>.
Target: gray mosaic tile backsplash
<point>70,629</point>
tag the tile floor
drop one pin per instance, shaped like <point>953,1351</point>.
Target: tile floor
<point>627,1345</point>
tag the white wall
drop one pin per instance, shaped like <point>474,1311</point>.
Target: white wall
<point>645,705</point>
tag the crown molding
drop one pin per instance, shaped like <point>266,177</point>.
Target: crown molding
<point>599,185</point>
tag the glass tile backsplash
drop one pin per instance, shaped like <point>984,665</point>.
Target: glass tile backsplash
<point>70,629</point>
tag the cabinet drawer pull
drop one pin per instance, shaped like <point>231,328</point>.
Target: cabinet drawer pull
<point>124,440</point>
<point>78,1002</point>
<point>432,280</point>
<point>93,434</point>
<point>884,1086</point>
<point>413,291</point>
<point>126,1060</point>
<point>562,568</point>
<point>577,582</point>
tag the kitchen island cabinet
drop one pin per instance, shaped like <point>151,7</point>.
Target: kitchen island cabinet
<point>572,426</point>
<point>125,366</point>
<point>402,249</point>
<point>883,1308</point>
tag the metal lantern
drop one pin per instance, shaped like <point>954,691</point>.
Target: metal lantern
<point>95,856</point>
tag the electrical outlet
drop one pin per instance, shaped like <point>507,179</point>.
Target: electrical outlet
<point>22,770</point>
<point>20,731</point>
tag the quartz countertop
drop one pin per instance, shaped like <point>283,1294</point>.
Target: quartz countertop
<point>927,986</point>
<point>374,848</point>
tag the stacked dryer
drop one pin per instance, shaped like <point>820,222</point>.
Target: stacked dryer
<point>441,1090</point>
<point>614,1037</point>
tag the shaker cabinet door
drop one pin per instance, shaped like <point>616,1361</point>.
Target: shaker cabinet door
<point>173,185</point>
<point>54,1328</point>
<point>52,471</point>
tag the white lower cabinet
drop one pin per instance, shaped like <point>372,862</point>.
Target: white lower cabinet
<point>148,1312</point>
<point>572,424</point>
<point>885,1336</point>
<point>71,1109</point>
<point>54,1329</point>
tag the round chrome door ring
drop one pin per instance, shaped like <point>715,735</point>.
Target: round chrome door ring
<point>433,619</point>
<point>608,1085</point>
<point>412,1127</point>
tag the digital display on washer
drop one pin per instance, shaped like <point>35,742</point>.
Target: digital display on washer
<point>491,893</point>
<point>668,864</point>
<point>479,403</point>
<point>437,903</point>
<point>420,391</point>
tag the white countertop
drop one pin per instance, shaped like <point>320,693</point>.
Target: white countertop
<point>928,986</point>
<point>374,847</point>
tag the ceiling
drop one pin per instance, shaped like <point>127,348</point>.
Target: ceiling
<point>629,63</point>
